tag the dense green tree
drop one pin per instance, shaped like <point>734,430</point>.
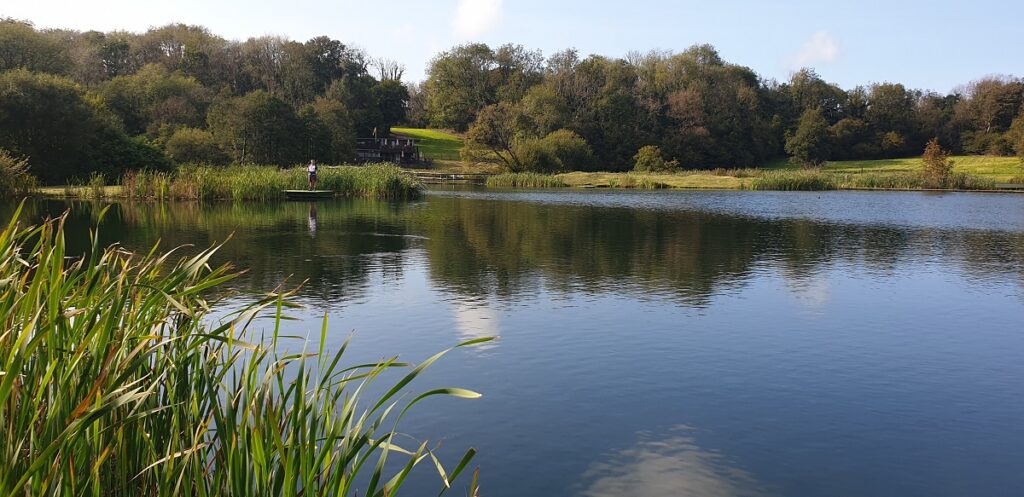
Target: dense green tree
<point>890,113</point>
<point>153,97</point>
<point>495,131</point>
<point>561,150</point>
<point>47,119</point>
<point>194,146</point>
<point>543,111</point>
<point>338,130</point>
<point>391,98</point>
<point>22,47</point>
<point>356,92</point>
<point>416,110</point>
<point>1016,136</point>
<point>694,105</point>
<point>935,117</point>
<point>809,144</point>
<point>467,78</point>
<point>852,139</point>
<point>258,128</point>
<point>986,113</point>
<point>650,160</point>
<point>570,150</point>
<point>459,85</point>
<point>808,91</point>
<point>516,70</point>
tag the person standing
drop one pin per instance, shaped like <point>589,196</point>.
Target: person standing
<point>311,172</point>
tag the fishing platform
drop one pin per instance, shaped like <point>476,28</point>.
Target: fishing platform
<point>307,194</point>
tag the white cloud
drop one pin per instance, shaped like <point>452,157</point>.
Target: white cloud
<point>476,17</point>
<point>821,48</point>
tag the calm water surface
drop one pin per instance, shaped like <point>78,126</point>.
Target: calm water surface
<point>671,343</point>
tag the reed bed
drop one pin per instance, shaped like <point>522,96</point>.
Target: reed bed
<point>114,384</point>
<point>263,183</point>
<point>639,181</point>
<point>813,180</point>
<point>803,180</point>
<point>524,180</point>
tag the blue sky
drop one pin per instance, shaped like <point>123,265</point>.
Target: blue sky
<point>936,45</point>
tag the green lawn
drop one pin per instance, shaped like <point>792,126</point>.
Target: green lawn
<point>434,144</point>
<point>999,169</point>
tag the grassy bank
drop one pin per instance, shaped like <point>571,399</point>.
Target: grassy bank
<point>114,383</point>
<point>996,169</point>
<point>258,183</point>
<point>970,173</point>
<point>434,144</point>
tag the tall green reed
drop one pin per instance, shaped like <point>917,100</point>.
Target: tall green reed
<point>261,183</point>
<point>113,383</point>
<point>524,180</point>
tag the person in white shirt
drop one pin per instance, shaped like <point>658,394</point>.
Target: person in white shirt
<point>311,170</point>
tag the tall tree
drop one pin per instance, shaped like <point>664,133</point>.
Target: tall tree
<point>48,119</point>
<point>494,130</point>
<point>809,144</point>
<point>258,128</point>
<point>22,47</point>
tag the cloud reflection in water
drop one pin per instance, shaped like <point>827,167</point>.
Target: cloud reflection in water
<point>670,466</point>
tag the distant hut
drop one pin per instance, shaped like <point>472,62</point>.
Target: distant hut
<point>392,148</point>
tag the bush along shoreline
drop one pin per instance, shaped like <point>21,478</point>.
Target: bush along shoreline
<point>114,381</point>
<point>250,182</point>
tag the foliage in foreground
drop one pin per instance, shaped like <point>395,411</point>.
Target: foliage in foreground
<point>111,384</point>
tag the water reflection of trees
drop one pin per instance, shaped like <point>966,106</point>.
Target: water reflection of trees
<point>273,243</point>
<point>506,249</point>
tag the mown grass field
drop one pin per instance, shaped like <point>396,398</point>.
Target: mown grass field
<point>434,144</point>
<point>998,169</point>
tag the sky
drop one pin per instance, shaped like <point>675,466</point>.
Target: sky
<point>935,45</point>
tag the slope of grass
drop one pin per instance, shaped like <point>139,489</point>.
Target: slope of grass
<point>433,143</point>
<point>998,169</point>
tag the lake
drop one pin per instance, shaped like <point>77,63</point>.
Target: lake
<point>662,343</point>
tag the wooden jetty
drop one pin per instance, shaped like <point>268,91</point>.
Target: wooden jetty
<point>307,194</point>
<point>440,177</point>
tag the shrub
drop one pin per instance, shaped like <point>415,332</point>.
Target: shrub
<point>649,159</point>
<point>560,150</point>
<point>535,156</point>
<point>938,167</point>
<point>15,179</point>
<point>570,150</point>
<point>97,185</point>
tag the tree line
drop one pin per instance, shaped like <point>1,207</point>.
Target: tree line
<point>698,110</point>
<point>76,103</point>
